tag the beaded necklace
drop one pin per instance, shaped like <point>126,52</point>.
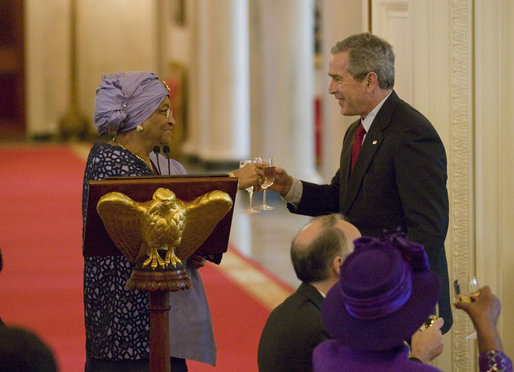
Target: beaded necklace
<point>148,163</point>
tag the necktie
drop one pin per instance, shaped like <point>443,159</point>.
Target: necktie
<point>357,144</point>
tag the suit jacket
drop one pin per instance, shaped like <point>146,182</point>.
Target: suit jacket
<point>399,179</point>
<point>291,333</point>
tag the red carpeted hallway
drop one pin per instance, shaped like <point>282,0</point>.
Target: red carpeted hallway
<point>41,282</point>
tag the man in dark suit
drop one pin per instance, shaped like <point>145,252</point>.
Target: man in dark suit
<point>393,164</point>
<point>294,328</point>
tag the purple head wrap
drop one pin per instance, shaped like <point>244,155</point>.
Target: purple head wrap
<point>125,100</point>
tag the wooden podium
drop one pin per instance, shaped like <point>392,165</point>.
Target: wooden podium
<point>158,283</point>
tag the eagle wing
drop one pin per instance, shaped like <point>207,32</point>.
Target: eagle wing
<point>122,219</point>
<point>201,217</point>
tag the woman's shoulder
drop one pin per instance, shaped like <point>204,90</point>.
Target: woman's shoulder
<point>100,148</point>
<point>107,160</point>
<point>104,151</point>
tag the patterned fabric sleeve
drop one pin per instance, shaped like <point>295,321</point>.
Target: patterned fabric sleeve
<point>494,360</point>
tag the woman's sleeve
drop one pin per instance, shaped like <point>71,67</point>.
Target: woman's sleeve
<point>494,360</point>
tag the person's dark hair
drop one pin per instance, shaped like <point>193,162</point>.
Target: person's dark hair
<point>368,53</point>
<point>311,262</point>
<point>21,350</point>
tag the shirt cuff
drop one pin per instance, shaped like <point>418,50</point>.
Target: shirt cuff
<point>294,194</point>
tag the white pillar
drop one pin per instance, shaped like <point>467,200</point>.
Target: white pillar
<point>339,19</point>
<point>282,84</point>
<point>221,84</point>
<point>196,107</point>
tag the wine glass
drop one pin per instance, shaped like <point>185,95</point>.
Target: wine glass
<point>467,291</point>
<point>269,178</point>
<point>250,210</point>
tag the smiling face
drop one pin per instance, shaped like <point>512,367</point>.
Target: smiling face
<point>159,125</point>
<point>352,95</point>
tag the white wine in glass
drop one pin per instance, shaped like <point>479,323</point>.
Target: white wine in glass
<point>467,291</point>
<point>250,210</point>
<point>269,178</point>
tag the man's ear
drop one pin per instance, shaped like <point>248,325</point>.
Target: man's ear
<point>336,265</point>
<point>371,81</point>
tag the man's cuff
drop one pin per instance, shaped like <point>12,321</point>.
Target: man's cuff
<point>414,359</point>
<point>294,195</point>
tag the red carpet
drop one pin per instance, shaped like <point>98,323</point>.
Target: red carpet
<point>41,283</point>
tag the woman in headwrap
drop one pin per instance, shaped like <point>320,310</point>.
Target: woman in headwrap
<point>135,108</point>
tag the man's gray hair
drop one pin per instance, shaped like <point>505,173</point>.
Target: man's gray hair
<point>368,53</point>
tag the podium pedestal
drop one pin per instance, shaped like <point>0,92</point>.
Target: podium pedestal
<point>159,331</point>
<point>159,284</point>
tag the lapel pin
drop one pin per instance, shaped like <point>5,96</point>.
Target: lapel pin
<point>375,142</point>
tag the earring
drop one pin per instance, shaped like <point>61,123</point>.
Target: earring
<point>140,128</point>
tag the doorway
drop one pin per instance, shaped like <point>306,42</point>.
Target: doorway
<point>12,70</point>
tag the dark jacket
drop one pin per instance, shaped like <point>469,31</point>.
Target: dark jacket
<point>291,333</point>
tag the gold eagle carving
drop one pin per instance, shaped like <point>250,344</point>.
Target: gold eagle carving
<point>164,223</point>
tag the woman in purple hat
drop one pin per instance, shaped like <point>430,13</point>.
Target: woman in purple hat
<point>134,107</point>
<point>385,293</point>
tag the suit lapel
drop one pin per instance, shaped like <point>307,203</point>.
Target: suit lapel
<point>369,148</point>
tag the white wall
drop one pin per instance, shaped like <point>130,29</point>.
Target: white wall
<point>494,129</point>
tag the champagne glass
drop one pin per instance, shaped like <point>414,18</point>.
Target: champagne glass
<point>269,178</point>
<point>250,210</point>
<point>467,291</point>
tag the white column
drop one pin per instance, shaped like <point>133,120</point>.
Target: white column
<point>282,84</point>
<point>196,108</point>
<point>339,19</point>
<point>221,83</point>
<point>47,61</point>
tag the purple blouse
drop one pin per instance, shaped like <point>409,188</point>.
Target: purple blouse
<point>332,356</point>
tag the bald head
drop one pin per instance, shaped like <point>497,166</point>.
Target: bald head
<point>317,245</point>
<point>319,224</point>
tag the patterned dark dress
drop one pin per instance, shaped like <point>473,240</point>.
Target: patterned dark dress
<point>117,320</point>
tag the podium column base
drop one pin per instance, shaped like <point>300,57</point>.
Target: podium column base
<point>151,281</point>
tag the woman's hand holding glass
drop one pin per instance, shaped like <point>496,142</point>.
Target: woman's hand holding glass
<point>269,178</point>
<point>243,164</point>
<point>467,291</point>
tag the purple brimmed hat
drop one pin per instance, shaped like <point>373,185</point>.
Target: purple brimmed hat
<point>385,292</point>
<point>125,100</point>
